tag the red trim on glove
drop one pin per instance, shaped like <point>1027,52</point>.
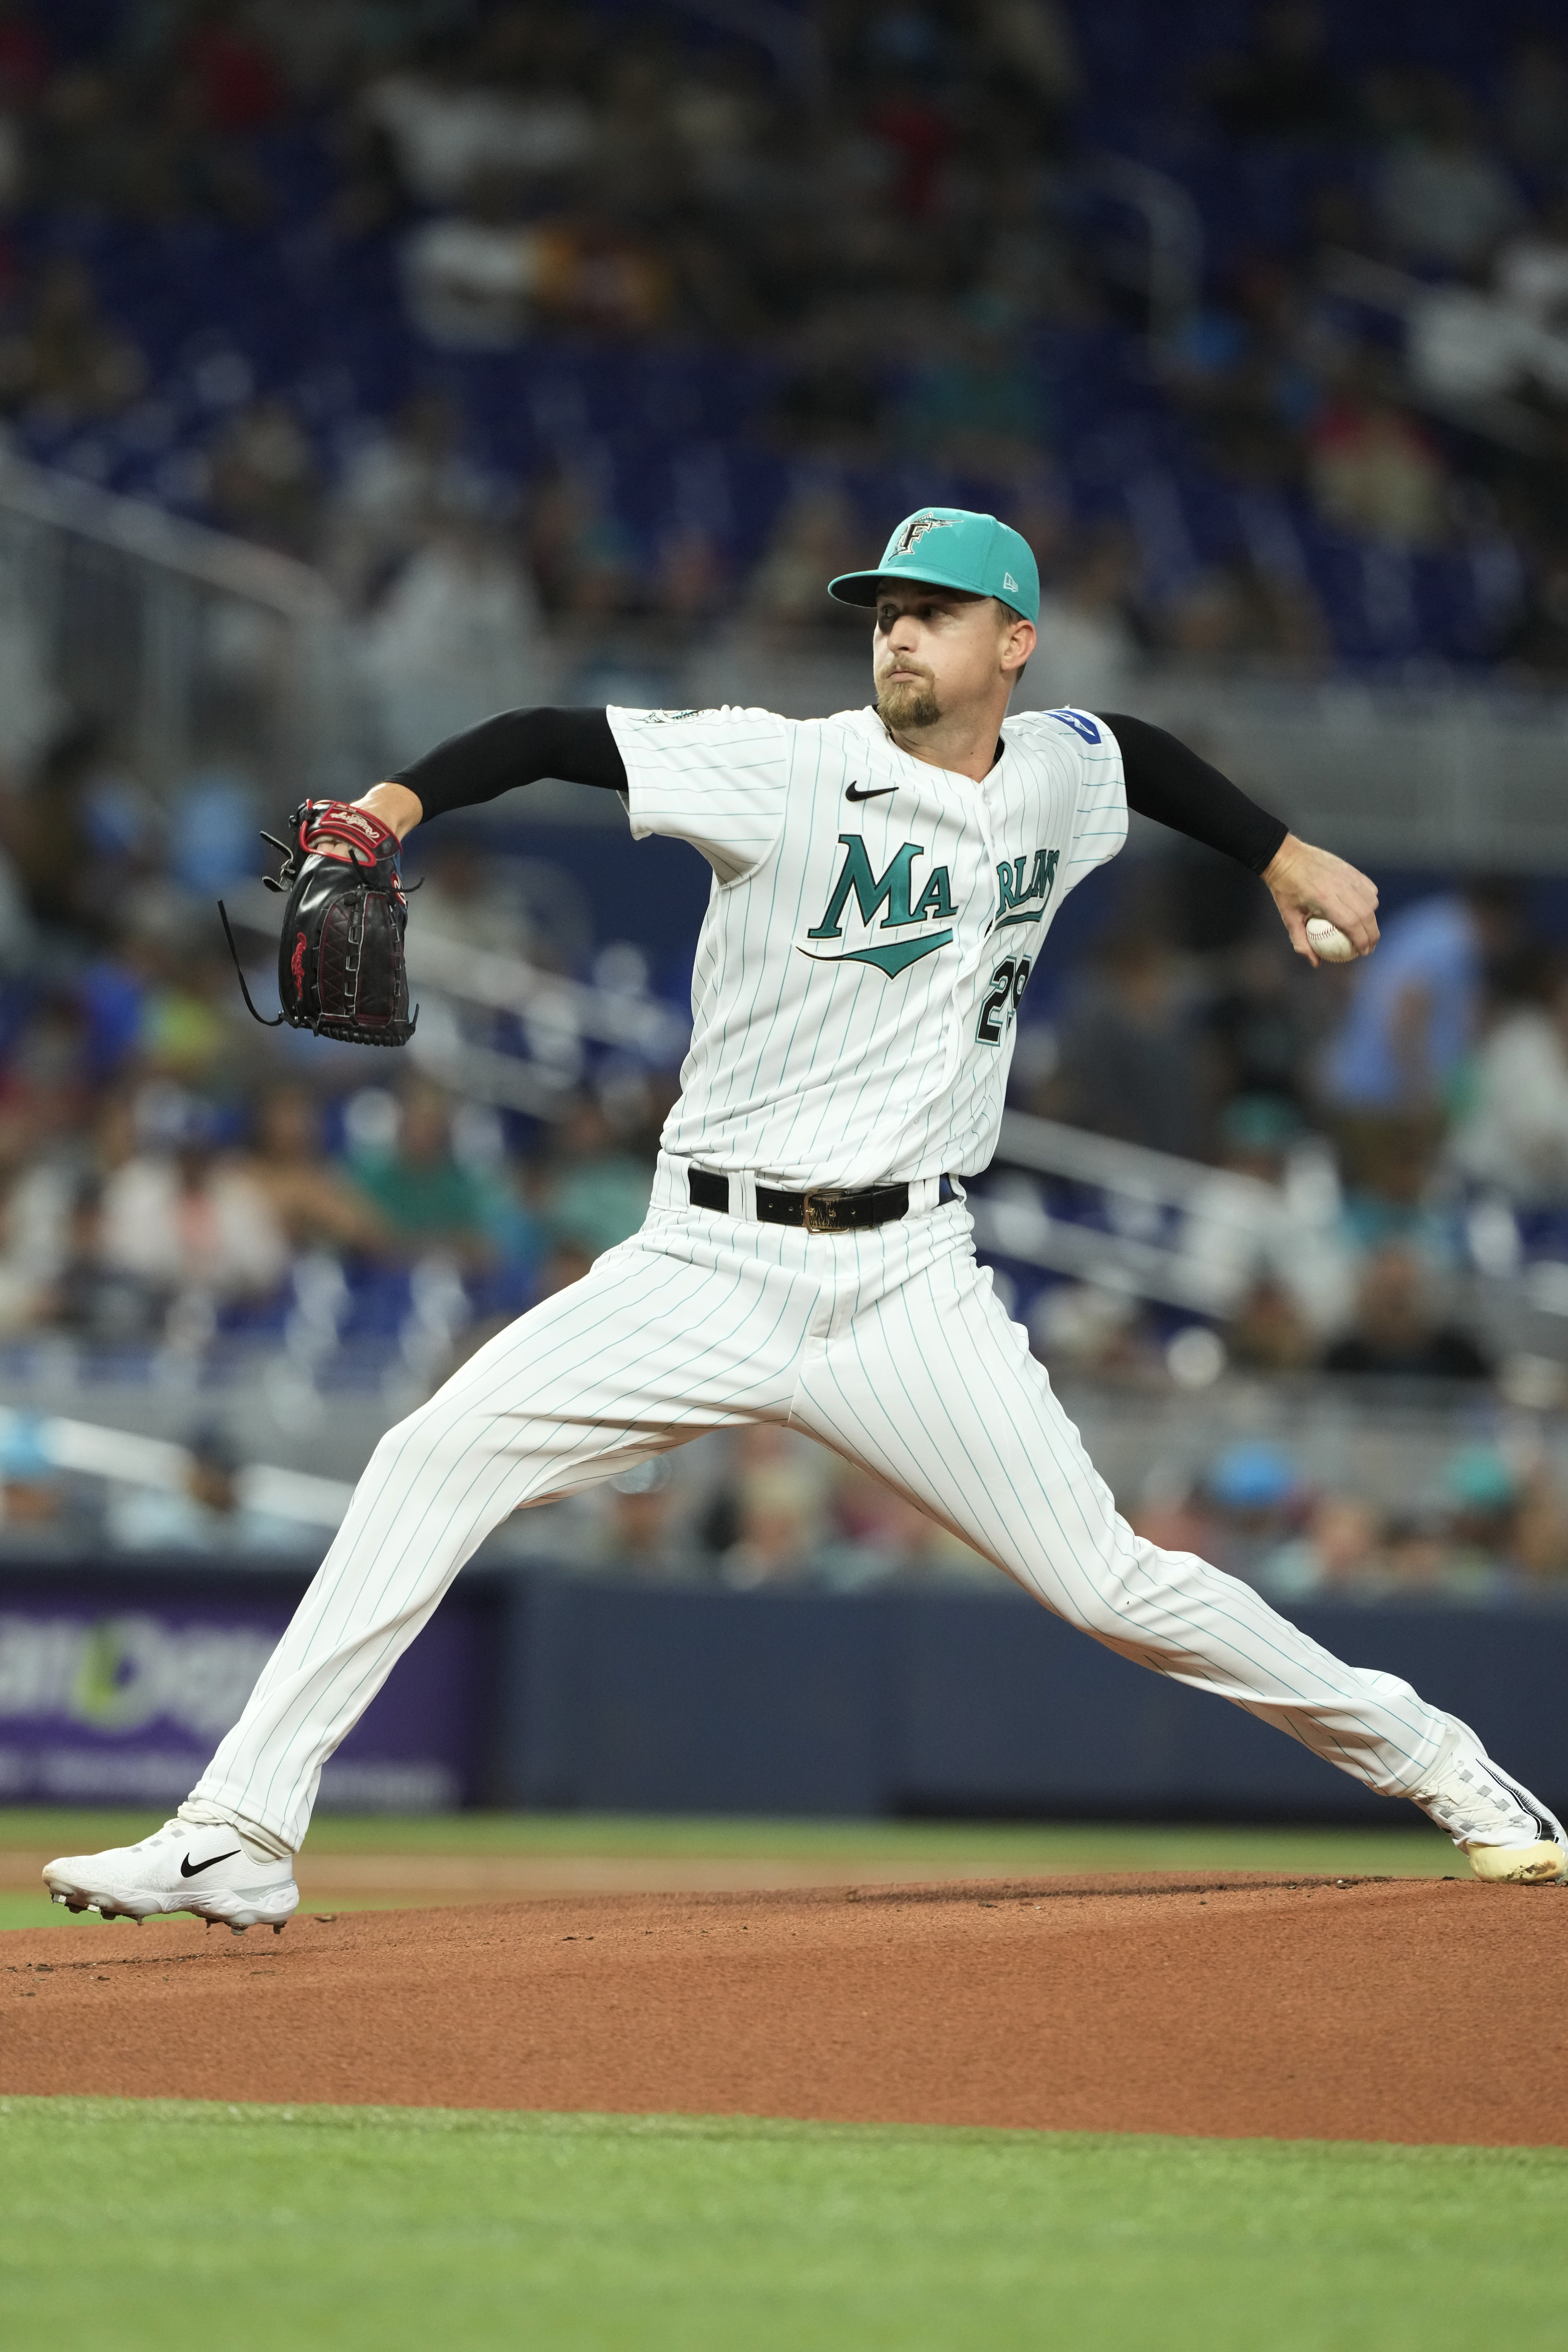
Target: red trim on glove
<point>363,835</point>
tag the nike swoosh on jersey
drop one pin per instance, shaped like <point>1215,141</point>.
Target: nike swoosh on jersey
<point>853,792</point>
<point>893,959</point>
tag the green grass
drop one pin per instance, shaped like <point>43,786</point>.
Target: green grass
<point>165,2225</point>
<point>1405,1849</point>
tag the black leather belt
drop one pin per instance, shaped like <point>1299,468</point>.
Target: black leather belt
<point>824,1211</point>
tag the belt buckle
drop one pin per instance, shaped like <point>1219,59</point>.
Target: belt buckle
<point>816,1210</point>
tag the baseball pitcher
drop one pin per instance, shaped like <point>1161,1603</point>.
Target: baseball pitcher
<point>882,882</point>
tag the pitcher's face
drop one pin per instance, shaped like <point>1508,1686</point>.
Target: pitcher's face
<point>938,652</point>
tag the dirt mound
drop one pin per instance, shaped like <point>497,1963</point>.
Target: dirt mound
<point>1370,2009</point>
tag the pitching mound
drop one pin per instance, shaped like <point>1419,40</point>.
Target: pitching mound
<point>1370,2009</point>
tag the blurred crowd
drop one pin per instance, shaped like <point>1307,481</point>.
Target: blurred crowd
<point>528,327</point>
<point>1491,1529</point>
<point>175,1176</point>
<point>893,231</point>
<point>1409,1118</point>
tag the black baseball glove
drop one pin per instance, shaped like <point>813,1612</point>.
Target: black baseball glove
<point>340,967</point>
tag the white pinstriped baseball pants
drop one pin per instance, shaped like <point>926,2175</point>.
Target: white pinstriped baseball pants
<point>891,1347</point>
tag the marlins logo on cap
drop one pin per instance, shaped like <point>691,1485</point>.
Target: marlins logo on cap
<point>915,529</point>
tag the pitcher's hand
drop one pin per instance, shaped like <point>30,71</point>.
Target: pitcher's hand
<point>1307,881</point>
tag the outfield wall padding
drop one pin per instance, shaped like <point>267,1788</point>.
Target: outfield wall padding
<point>957,1704</point>
<point>537,1689</point>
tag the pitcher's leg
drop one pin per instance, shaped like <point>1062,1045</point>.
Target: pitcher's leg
<point>646,1351</point>
<point>936,1391</point>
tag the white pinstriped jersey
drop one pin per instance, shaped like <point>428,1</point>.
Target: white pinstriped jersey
<point>872,925</point>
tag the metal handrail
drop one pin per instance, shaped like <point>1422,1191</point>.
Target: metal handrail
<point>1050,1148</point>
<point>135,527</point>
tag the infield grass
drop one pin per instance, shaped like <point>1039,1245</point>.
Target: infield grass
<point>167,2225</point>
<point>981,1849</point>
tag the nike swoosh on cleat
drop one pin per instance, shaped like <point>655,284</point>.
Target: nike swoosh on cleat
<point>879,792</point>
<point>189,1869</point>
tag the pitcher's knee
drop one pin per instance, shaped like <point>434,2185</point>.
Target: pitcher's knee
<point>432,1438</point>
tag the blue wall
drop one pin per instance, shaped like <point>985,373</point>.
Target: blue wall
<point>636,1700</point>
<point>543,1691</point>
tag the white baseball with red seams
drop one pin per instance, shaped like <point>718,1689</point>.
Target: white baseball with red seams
<point>872,927</point>
<point>1326,940</point>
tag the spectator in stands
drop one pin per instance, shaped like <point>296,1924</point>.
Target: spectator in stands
<point>1269,1332</point>
<point>92,1298</point>
<point>1483,1499</point>
<point>769,1518</point>
<point>206,1513</point>
<point>262,480</point>
<point>1031,42</point>
<point>639,1534</point>
<point>1087,649</point>
<point>1534,107</point>
<point>465,901</point>
<point>1254,1494</point>
<point>813,538</point>
<point>1287,87</point>
<point>974,401</point>
<point>25,56</point>
<point>1237,613</point>
<point>1131,1059</point>
<point>1416,1005</point>
<point>1540,1531</point>
<point>1535,641</point>
<point>1533,267</point>
<point>63,361</point>
<point>313,1204</point>
<point>1337,1550</point>
<point>1256,1021</point>
<point>1512,1127</point>
<point>582,554</point>
<point>1375,470</point>
<point>425,1197</point>
<point>593,1192</point>
<point>1399,1332</point>
<point>457,636</point>
<point>1441,196</point>
<point>450,125</point>
<point>1081,1327</point>
<point>182,1217</point>
<point>401,483</point>
<point>875,1536</point>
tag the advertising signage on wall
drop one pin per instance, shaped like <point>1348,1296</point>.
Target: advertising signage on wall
<point>119,1695</point>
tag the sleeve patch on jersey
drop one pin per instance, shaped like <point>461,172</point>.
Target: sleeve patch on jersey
<point>666,718</point>
<point>1079,723</point>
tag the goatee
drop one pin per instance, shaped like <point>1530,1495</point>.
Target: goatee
<point>907,703</point>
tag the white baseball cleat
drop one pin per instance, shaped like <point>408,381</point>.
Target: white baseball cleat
<point>1508,1835</point>
<point>178,1868</point>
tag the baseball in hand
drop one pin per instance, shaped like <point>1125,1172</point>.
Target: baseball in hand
<point>1327,940</point>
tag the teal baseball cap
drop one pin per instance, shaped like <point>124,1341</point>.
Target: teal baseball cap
<point>949,547</point>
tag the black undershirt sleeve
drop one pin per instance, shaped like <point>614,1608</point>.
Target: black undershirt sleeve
<point>1172,785</point>
<point>516,746</point>
<point>1165,780</point>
